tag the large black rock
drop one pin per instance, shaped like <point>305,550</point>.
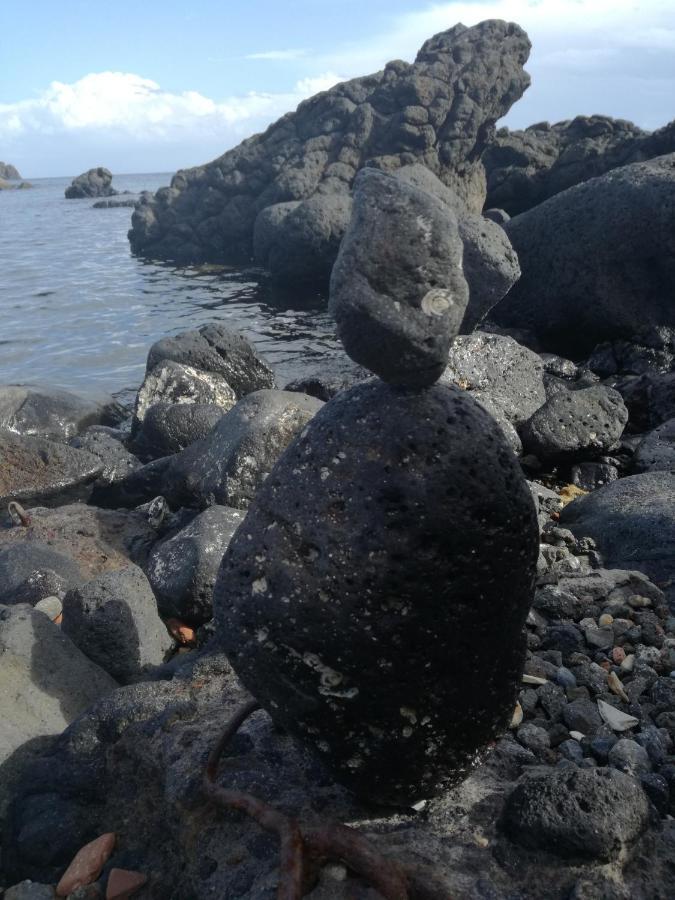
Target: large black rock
<point>373,599</point>
<point>93,183</point>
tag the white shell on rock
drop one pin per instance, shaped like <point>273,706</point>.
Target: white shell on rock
<point>436,301</point>
<point>617,720</point>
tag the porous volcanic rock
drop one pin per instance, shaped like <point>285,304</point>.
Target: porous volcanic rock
<point>92,183</point>
<point>182,569</point>
<point>34,470</point>
<point>657,450</point>
<point>32,570</point>
<point>106,444</point>
<point>46,412</point>
<point>291,185</point>
<point>113,619</point>
<point>524,168</point>
<point>632,521</point>
<point>597,260</point>
<point>397,291</point>
<point>588,422</point>
<point>352,602</point>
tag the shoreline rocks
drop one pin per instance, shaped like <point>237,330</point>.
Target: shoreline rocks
<point>92,183</point>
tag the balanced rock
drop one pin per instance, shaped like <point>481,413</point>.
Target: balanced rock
<point>37,471</point>
<point>397,290</point>
<point>172,382</point>
<point>570,423</point>
<point>283,196</point>
<point>182,569</point>
<point>216,349</point>
<point>373,600</point>
<point>47,412</point>
<point>113,619</point>
<point>93,183</point>
<point>597,260</point>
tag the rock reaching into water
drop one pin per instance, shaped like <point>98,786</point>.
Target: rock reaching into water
<point>46,412</point>
<point>284,196</point>
<point>397,290</point>
<point>597,260</point>
<point>353,600</point>
<point>656,452</point>
<point>93,183</point>
<point>7,170</point>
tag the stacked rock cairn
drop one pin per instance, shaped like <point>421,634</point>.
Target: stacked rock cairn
<point>374,599</point>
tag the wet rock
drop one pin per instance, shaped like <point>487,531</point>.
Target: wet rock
<point>38,471</point>
<point>45,411</point>
<point>574,423</point>
<point>228,466</point>
<point>93,183</point>
<point>182,569</point>
<point>117,461</point>
<point>46,681</point>
<point>171,382</point>
<point>87,865</point>
<point>608,239</point>
<point>656,452</point>
<point>349,539</point>
<point>285,193</point>
<point>114,620</point>
<point>571,812</point>
<point>397,290</point>
<point>169,428</point>
<point>217,349</point>
<point>31,571</point>
<point>632,522</point>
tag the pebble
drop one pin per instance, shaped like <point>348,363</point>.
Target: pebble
<point>617,720</point>
<point>565,678</point>
<point>181,632</point>
<point>122,883</point>
<point>628,663</point>
<point>534,738</point>
<point>87,864</point>
<point>628,756</point>
<point>616,687</point>
<point>618,655</point>
<point>50,606</point>
<point>605,619</point>
<point>638,602</point>
<point>533,679</point>
<point>517,717</point>
<point>577,735</point>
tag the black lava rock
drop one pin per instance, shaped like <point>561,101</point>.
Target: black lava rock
<point>354,601</point>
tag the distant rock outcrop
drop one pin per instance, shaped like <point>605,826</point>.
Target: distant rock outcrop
<point>7,170</point>
<point>524,168</point>
<point>284,197</point>
<point>94,183</point>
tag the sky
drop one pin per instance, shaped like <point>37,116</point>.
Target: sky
<point>148,86</point>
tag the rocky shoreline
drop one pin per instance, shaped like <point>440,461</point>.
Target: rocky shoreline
<point>446,575</point>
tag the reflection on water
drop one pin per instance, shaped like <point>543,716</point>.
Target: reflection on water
<point>78,311</point>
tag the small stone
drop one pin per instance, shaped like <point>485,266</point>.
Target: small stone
<point>533,679</point>
<point>87,864</point>
<point>577,735</point>
<point>122,883</point>
<point>617,720</point>
<point>628,662</point>
<point>181,632</point>
<point>29,890</point>
<point>638,602</point>
<point>616,687</point>
<point>571,750</point>
<point>534,738</point>
<point>565,678</point>
<point>618,655</point>
<point>628,756</point>
<point>517,717</point>
<point>605,619</point>
<point>50,606</point>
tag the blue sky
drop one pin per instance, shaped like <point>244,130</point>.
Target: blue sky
<point>150,86</point>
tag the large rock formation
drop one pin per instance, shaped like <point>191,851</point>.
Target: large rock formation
<point>524,168</point>
<point>7,170</point>
<point>597,261</point>
<point>93,183</point>
<point>284,195</point>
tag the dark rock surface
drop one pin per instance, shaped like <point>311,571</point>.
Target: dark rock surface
<point>587,422</point>
<point>31,571</point>
<point>367,537</point>
<point>7,170</point>
<point>116,204</point>
<point>597,260</point>
<point>217,349</point>
<point>650,400</point>
<point>229,465</point>
<point>632,521</point>
<point>649,350</point>
<point>397,291</point>
<point>38,471</point>
<point>169,428</point>
<point>573,812</point>
<point>113,619</point>
<point>93,183</point>
<point>47,412</point>
<point>657,451</point>
<point>291,184</point>
<point>524,168</point>
<point>105,443</point>
<point>182,569</point>
<point>173,382</point>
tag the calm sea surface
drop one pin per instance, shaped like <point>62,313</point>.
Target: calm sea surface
<point>78,311</point>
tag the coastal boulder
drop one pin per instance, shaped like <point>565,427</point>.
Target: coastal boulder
<point>570,424</point>
<point>45,412</point>
<point>397,290</point>
<point>106,444</point>
<point>171,427</point>
<point>353,600</point>
<point>597,260</point>
<point>656,452</point>
<point>113,619</point>
<point>228,466</point>
<point>217,349</point>
<point>92,183</point>
<point>182,569</point>
<point>172,382</point>
<point>32,570</point>
<point>285,194</point>
<point>632,522</point>
<point>7,170</point>
<point>34,470</point>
